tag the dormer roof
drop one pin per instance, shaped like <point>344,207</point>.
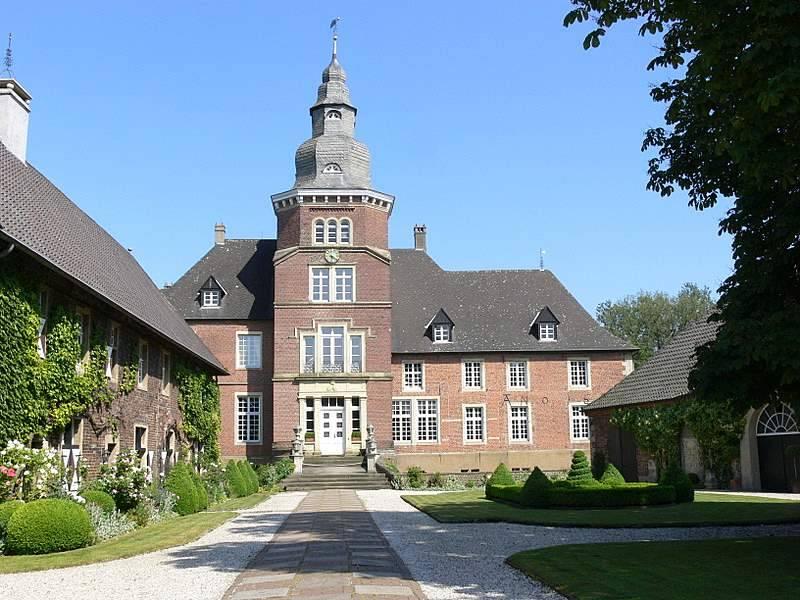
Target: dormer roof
<point>545,315</point>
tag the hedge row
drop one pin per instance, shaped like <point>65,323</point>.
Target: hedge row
<point>241,478</point>
<point>597,496</point>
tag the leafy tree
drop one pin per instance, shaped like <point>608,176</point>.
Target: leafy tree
<point>650,319</point>
<point>732,132</point>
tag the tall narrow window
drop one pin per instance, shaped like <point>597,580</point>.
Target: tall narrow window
<point>579,373</point>
<point>401,420</point>
<point>113,352</point>
<point>427,420</point>
<point>166,373</point>
<point>356,354</point>
<point>519,424</point>
<point>473,424</point>
<point>344,284</point>
<point>143,365</point>
<point>320,284</point>
<point>333,228</point>
<point>413,377</point>
<point>309,415</point>
<point>44,305</point>
<point>579,423</point>
<point>518,375</point>
<point>344,231</point>
<point>248,418</point>
<point>248,350</point>
<point>332,349</point>
<point>319,231</point>
<point>355,413</point>
<point>473,374</point>
<point>309,353</point>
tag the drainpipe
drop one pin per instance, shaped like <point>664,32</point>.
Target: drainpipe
<point>7,251</point>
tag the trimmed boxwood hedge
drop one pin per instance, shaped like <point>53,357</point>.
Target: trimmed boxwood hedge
<point>501,476</point>
<point>237,485</point>
<point>612,476</point>
<point>250,476</point>
<point>7,509</point>
<point>100,498</point>
<point>611,496</point>
<point>179,482</point>
<point>511,493</point>
<point>50,525</point>
<point>677,478</point>
<point>200,490</point>
<point>536,489</point>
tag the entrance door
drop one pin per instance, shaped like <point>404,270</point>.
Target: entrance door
<point>332,422</point>
<point>622,452</point>
<point>778,449</point>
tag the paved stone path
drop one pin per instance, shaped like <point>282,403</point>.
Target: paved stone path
<point>328,548</point>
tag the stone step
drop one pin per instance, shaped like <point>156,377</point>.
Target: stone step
<point>342,485</point>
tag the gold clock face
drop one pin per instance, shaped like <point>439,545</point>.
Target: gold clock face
<point>332,255</point>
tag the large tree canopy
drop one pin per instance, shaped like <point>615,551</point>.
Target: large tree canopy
<point>650,319</point>
<point>732,132</point>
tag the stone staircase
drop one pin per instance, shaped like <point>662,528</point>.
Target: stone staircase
<point>334,473</point>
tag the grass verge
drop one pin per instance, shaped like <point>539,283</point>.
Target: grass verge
<point>174,532</point>
<point>685,570</point>
<point>242,503</point>
<point>707,509</point>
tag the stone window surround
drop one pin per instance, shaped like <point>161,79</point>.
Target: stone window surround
<point>415,441</point>
<point>527,406</point>
<point>482,375</point>
<point>526,374</point>
<point>316,333</point>
<point>237,413</point>
<point>483,420</point>
<point>412,388</point>
<point>325,223</point>
<point>573,419</point>
<point>588,362</point>
<point>331,283</point>
<point>143,365</point>
<point>246,332</point>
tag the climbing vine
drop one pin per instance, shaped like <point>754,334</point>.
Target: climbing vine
<point>657,430</point>
<point>199,403</point>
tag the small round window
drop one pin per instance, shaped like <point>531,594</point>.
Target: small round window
<point>334,115</point>
<point>332,168</point>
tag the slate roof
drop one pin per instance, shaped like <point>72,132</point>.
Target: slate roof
<point>491,310</point>
<point>244,270</point>
<point>666,375</point>
<point>36,216</point>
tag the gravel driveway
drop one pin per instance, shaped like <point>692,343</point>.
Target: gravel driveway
<point>465,561</point>
<point>201,570</point>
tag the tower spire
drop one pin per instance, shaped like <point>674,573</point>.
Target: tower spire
<point>335,28</point>
<point>8,61</point>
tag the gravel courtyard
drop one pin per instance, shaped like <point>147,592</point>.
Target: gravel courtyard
<point>465,561</point>
<point>202,570</point>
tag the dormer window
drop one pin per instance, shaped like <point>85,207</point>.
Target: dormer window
<point>545,325</point>
<point>442,333</point>
<point>211,294</point>
<point>440,328</point>
<point>211,298</point>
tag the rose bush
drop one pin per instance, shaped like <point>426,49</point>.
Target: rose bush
<point>29,473</point>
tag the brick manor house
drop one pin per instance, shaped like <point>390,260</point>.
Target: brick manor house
<point>328,328</point>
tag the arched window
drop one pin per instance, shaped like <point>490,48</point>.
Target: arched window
<point>344,231</point>
<point>333,115</point>
<point>332,168</point>
<point>333,228</point>
<point>319,231</point>
<point>777,420</point>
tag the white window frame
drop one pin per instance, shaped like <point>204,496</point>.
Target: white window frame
<point>142,379</point>
<point>166,373</point>
<point>483,422</point>
<point>207,298</point>
<point>573,419</point>
<point>551,335</point>
<point>112,362</point>
<point>349,241</point>
<point>413,388</point>
<point>350,337</point>
<point>403,416</point>
<point>248,413</point>
<point>528,421</point>
<point>338,238</point>
<point>331,297</point>
<point>446,331</point>
<point>464,386</point>
<point>244,367</point>
<point>321,347</point>
<point>335,280</point>
<point>588,362</point>
<point>526,374</point>
<point>316,224</point>
<point>415,423</point>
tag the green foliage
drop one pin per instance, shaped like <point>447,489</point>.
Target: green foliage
<point>100,498</point>
<point>675,476</point>
<point>501,476</point>
<point>37,472</point>
<point>649,320</point>
<point>50,525</point>
<point>179,481</point>
<point>125,480</point>
<point>237,485</point>
<point>437,480</point>
<point>214,480</point>
<point>416,477</point>
<point>718,427</point>
<point>199,404</point>
<point>600,496</point>
<point>270,474</point>
<point>611,476</point>
<point>200,490</point>
<point>6,510</point>
<point>731,133</point>
<point>284,467</point>
<point>507,492</point>
<point>536,489</point>
<point>249,475</point>
<point>580,473</point>
<point>657,430</point>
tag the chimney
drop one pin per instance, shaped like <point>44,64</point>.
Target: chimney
<point>219,234</point>
<point>14,111</point>
<point>421,238</point>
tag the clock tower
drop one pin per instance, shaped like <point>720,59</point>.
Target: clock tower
<point>332,373</point>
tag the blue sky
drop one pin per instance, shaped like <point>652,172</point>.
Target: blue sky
<point>492,126</point>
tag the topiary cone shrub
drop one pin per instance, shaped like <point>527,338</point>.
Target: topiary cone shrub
<point>536,489</point>
<point>612,476</point>
<point>501,476</point>
<point>100,498</point>
<point>237,486</point>
<point>50,525</point>
<point>677,478</point>
<point>200,490</point>
<point>179,482</point>
<point>252,476</point>
<point>580,473</point>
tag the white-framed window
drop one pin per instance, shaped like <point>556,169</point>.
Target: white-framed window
<point>578,423</point>
<point>413,376</point>
<point>248,418</point>
<point>579,375</point>
<point>41,334</point>
<point>319,231</point>
<point>332,349</point>
<point>309,353</point>
<point>427,420</point>
<point>547,332</point>
<point>113,351</point>
<point>166,373</point>
<point>474,424</point>
<point>333,232</point>
<point>248,350</point>
<point>472,378</point>
<point>517,375</point>
<point>442,332</point>
<point>356,353</point>
<point>210,298</point>
<point>344,283</point>
<point>143,366</point>
<point>401,420</point>
<point>345,226</point>
<point>519,425</point>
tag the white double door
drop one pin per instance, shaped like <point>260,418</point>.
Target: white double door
<point>332,425</point>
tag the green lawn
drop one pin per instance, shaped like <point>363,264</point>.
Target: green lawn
<point>696,570</point>
<point>242,503</point>
<point>708,509</point>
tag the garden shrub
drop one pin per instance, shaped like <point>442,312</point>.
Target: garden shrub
<point>501,476</point>
<point>284,467</point>
<point>200,490</point>
<point>695,479</point>
<point>49,525</point>
<point>599,463</point>
<point>125,480</point>
<point>107,525</point>
<point>437,480</point>
<point>510,493</point>
<point>416,477</point>
<point>157,505</point>
<point>237,486</point>
<point>612,476</point>
<point>101,499</point>
<point>6,510</point>
<point>677,478</point>
<point>179,482</point>
<point>535,491</point>
<point>214,481</point>
<point>580,473</point>
<point>252,476</point>
<point>629,494</point>
<point>267,475</point>
<point>29,473</point>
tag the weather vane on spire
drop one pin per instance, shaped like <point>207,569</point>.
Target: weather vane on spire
<point>335,28</point>
<point>8,61</point>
